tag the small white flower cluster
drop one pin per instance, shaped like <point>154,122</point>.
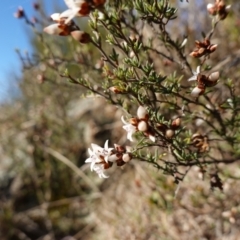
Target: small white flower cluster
<point>102,159</point>
<point>64,25</point>
<point>139,124</point>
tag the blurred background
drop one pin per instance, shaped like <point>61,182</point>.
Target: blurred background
<point>46,127</point>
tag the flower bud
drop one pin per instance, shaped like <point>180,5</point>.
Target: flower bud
<point>196,92</point>
<point>53,29</point>
<point>213,77</point>
<point>142,112</point>
<point>81,36</point>
<point>176,123</point>
<point>213,47</point>
<point>211,9</point>
<point>142,126</point>
<point>169,133</point>
<point>20,13</point>
<point>126,157</point>
<point>113,157</point>
<point>194,54</point>
<point>36,6</point>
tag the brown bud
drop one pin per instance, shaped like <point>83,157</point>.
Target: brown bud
<point>20,13</point>
<point>36,6</point>
<point>194,54</point>
<point>176,123</point>
<point>213,47</point>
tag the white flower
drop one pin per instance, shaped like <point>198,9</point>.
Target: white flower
<point>129,128</point>
<point>74,9</point>
<point>99,158</point>
<point>195,75</point>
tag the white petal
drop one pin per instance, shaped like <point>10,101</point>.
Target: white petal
<point>193,78</point>
<point>90,151</point>
<point>123,120</point>
<point>214,76</point>
<point>129,136</point>
<point>55,17</point>
<point>152,138</point>
<point>96,148</point>
<point>106,145</point>
<point>69,14</point>
<point>74,3</point>
<point>198,69</point>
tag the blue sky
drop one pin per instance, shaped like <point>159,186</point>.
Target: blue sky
<point>13,35</point>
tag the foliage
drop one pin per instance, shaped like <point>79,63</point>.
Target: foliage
<point>129,57</point>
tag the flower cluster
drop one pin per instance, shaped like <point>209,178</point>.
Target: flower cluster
<point>203,81</point>
<point>102,159</point>
<point>65,26</point>
<point>218,8</point>
<point>139,123</point>
<point>80,8</point>
<point>203,48</point>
